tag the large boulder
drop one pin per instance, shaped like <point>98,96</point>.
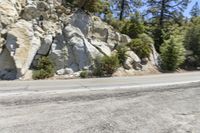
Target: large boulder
<point>104,32</point>
<point>30,12</point>
<point>36,8</point>
<point>23,45</point>
<point>59,51</point>
<point>83,39</point>
<point>7,66</point>
<point>132,61</point>
<point>99,30</point>
<point>45,45</point>
<point>83,52</point>
<point>101,47</point>
<point>154,56</point>
<point>94,28</point>
<point>8,12</point>
<point>81,20</point>
<point>72,50</point>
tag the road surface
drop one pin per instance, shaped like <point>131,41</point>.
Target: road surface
<point>168,103</point>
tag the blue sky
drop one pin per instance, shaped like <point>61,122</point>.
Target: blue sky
<point>187,12</point>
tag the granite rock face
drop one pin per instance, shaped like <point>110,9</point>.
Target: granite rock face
<point>22,44</point>
<point>30,29</point>
<point>7,66</point>
<point>10,11</point>
<point>132,61</point>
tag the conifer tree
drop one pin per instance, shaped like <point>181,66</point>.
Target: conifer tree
<point>172,53</point>
<point>163,13</point>
<point>123,8</point>
<point>195,12</point>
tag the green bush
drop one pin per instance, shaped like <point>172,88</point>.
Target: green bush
<point>106,65</point>
<point>146,39</point>
<point>45,69</point>
<point>192,41</point>
<point>116,24</point>
<point>133,27</point>
<point>121,54</point>
<point>98,67</point>
<point>90,5</point>
<point>172,54</point>
<point>84,74</point>
<point>141,46</point>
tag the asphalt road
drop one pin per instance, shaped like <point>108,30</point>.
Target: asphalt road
<point>168,103</point>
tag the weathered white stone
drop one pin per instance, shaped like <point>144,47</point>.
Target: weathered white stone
<point>42,6</point>
<point>36,8</point>
<point>83,52</point>
<point>103,32</point>
<point>72,50</point>
<point>64,71</point>
<point>125,39</point>
<point>8,12</point>
<point>71,31</point>
<point>102,47</point>
<point>154,56</point>
<point>133,56</point>
<point>99,30</point>
<point>60,72</point>
<point>28,75</point>
<point>22,45</point>
<point>45,45</point>
<point>81,20</point>
<point>69,71</point>
<point>80,51</point>
<point>59,52</point>
<point>30,12</point>
<point>132,60</point>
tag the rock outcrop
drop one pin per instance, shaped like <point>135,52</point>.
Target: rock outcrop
<point>30,29</point>
<point>132,61</point>
<point>23,44</point>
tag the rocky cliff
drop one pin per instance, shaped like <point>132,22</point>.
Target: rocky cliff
<point>33,28</point>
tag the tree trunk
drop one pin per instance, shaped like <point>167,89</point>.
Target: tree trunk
<point>161,23</point>
<point>122,10</point>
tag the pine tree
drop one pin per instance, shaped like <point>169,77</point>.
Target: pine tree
<point>172,53</point>
<point>134,26</point>
<point>164,12</point>
<point>192,39</point>
<point>195,12</point>
<point>124,8</point>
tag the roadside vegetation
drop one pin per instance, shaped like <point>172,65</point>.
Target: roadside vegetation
<point>106,65</point>
<point>44,68</point>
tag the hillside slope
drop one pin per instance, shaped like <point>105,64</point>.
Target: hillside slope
<point>30,29</point>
